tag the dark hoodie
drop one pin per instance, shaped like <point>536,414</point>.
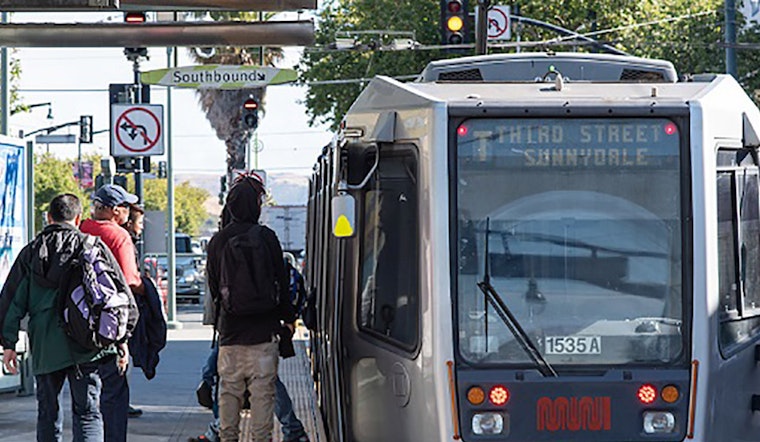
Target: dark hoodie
<point>32,289</point>
<point>240,213</point>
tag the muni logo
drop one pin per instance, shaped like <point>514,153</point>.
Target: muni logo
<point>574,414</point>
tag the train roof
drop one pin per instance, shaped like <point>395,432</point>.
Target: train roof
<point>384,93</point>
<point>529,66</point>
<point>550,92</point>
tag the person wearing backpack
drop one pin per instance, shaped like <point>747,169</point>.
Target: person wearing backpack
<point>111,208</point>
<point>37,287</point>
<point>249,284</point>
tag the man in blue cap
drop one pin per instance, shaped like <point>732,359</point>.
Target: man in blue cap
<point>110,209</point>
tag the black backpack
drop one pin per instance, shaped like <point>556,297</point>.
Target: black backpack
<point>247,283</point>
<point>94,305</point>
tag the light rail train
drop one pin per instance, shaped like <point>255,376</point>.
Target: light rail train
<point>536,247</point>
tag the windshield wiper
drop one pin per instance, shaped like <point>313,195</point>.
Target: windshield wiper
<point>493,298</point>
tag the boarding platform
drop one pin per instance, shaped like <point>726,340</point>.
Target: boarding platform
<point>170,410</point>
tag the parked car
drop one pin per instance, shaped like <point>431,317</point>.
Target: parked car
<point>190,274</point>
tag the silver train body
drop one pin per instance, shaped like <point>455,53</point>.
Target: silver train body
<point>539,247</point>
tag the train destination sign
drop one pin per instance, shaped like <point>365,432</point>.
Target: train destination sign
<point>219,76</point>
<point>570,143</point>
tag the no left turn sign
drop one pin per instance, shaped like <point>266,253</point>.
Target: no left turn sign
<point>499,23</point>
<point>137,130</point>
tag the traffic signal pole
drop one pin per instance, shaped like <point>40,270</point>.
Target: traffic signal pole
<point>481,28</point>
<point>136,99</point>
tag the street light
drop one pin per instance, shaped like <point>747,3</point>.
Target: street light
<point>29,107</point>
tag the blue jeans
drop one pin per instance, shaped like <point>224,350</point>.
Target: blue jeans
<point>85,399</point>
<point>283,406</point>
<point>114,401</point>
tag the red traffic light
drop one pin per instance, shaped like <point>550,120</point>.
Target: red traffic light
<point>250,104</point>
<point>454,6</point>
<point>135,17</point>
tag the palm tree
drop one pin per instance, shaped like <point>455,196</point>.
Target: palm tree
<point>224,108</point>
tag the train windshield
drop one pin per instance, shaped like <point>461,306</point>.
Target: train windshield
<point>582,222</point>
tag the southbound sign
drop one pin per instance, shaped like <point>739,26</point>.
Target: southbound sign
<point>219,77</point>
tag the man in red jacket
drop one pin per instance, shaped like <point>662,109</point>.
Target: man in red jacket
<point>111,205</point>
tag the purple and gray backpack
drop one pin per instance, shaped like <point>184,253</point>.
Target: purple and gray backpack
<point>95,304</point>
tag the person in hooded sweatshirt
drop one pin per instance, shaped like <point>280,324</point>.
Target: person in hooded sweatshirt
<point>32,289</point>
<point>248,345</point>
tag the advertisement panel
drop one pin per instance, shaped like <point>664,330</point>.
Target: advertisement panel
<point>13,222</point>
<point>13,218</point>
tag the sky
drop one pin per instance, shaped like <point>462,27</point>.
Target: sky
<point>75,81</point>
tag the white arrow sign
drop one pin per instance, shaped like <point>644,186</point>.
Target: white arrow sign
<point>219,76</point>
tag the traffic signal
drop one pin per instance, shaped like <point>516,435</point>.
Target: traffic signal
<point>251,114</point>
<point>124,164</point>
<point>120,180</point>
<point>162,172</point>
<point>85,129</point>
<point>454,21</point>
<point>135,18</point>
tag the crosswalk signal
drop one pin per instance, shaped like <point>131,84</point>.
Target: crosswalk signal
<point>251,114</point>
<point>454,21</point>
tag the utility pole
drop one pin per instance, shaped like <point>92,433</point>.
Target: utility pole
<point>730,37</point>
<point>481,27</point>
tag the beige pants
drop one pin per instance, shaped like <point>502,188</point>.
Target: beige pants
<point>252,367</point>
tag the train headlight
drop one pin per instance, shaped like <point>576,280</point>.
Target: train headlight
<point>488,423</point>
<point>658,422</point>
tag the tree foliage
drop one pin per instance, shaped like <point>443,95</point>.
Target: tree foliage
<point>645,28</point>
<point>223,108</point>
<point>189,209</point>
<point>53,176</point>
<point>328,103</point>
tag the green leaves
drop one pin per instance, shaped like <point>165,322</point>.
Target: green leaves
<point>52,177</point>
<point>646,28</point>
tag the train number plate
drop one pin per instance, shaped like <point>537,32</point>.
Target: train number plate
<point>573,345</point>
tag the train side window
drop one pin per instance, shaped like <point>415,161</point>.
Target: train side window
<point>749,234</point>
<point>738,248</point>
<point>389,298</point>
<point>726,246</point>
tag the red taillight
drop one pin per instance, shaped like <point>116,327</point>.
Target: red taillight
<point>499,395</point>
<point>462,130</point>
<point>671,129</point>
<point>647,394</point>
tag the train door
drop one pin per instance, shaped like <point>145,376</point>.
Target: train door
<point>328,370</point>
<point>380,305</point>
<point>738,377</point>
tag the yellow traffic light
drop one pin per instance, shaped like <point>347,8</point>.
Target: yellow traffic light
<point>455,23</point>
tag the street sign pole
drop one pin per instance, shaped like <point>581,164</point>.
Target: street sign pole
<point>137,99</point>
<point>481,27</point>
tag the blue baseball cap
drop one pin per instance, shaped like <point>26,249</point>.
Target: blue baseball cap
<point>112,195</point>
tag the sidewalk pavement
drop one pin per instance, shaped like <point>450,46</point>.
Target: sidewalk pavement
<point>170,410</point>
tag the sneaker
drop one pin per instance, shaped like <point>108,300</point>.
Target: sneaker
<point>201,438</point>
<point>302,438</point>
<point>134,412</point>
